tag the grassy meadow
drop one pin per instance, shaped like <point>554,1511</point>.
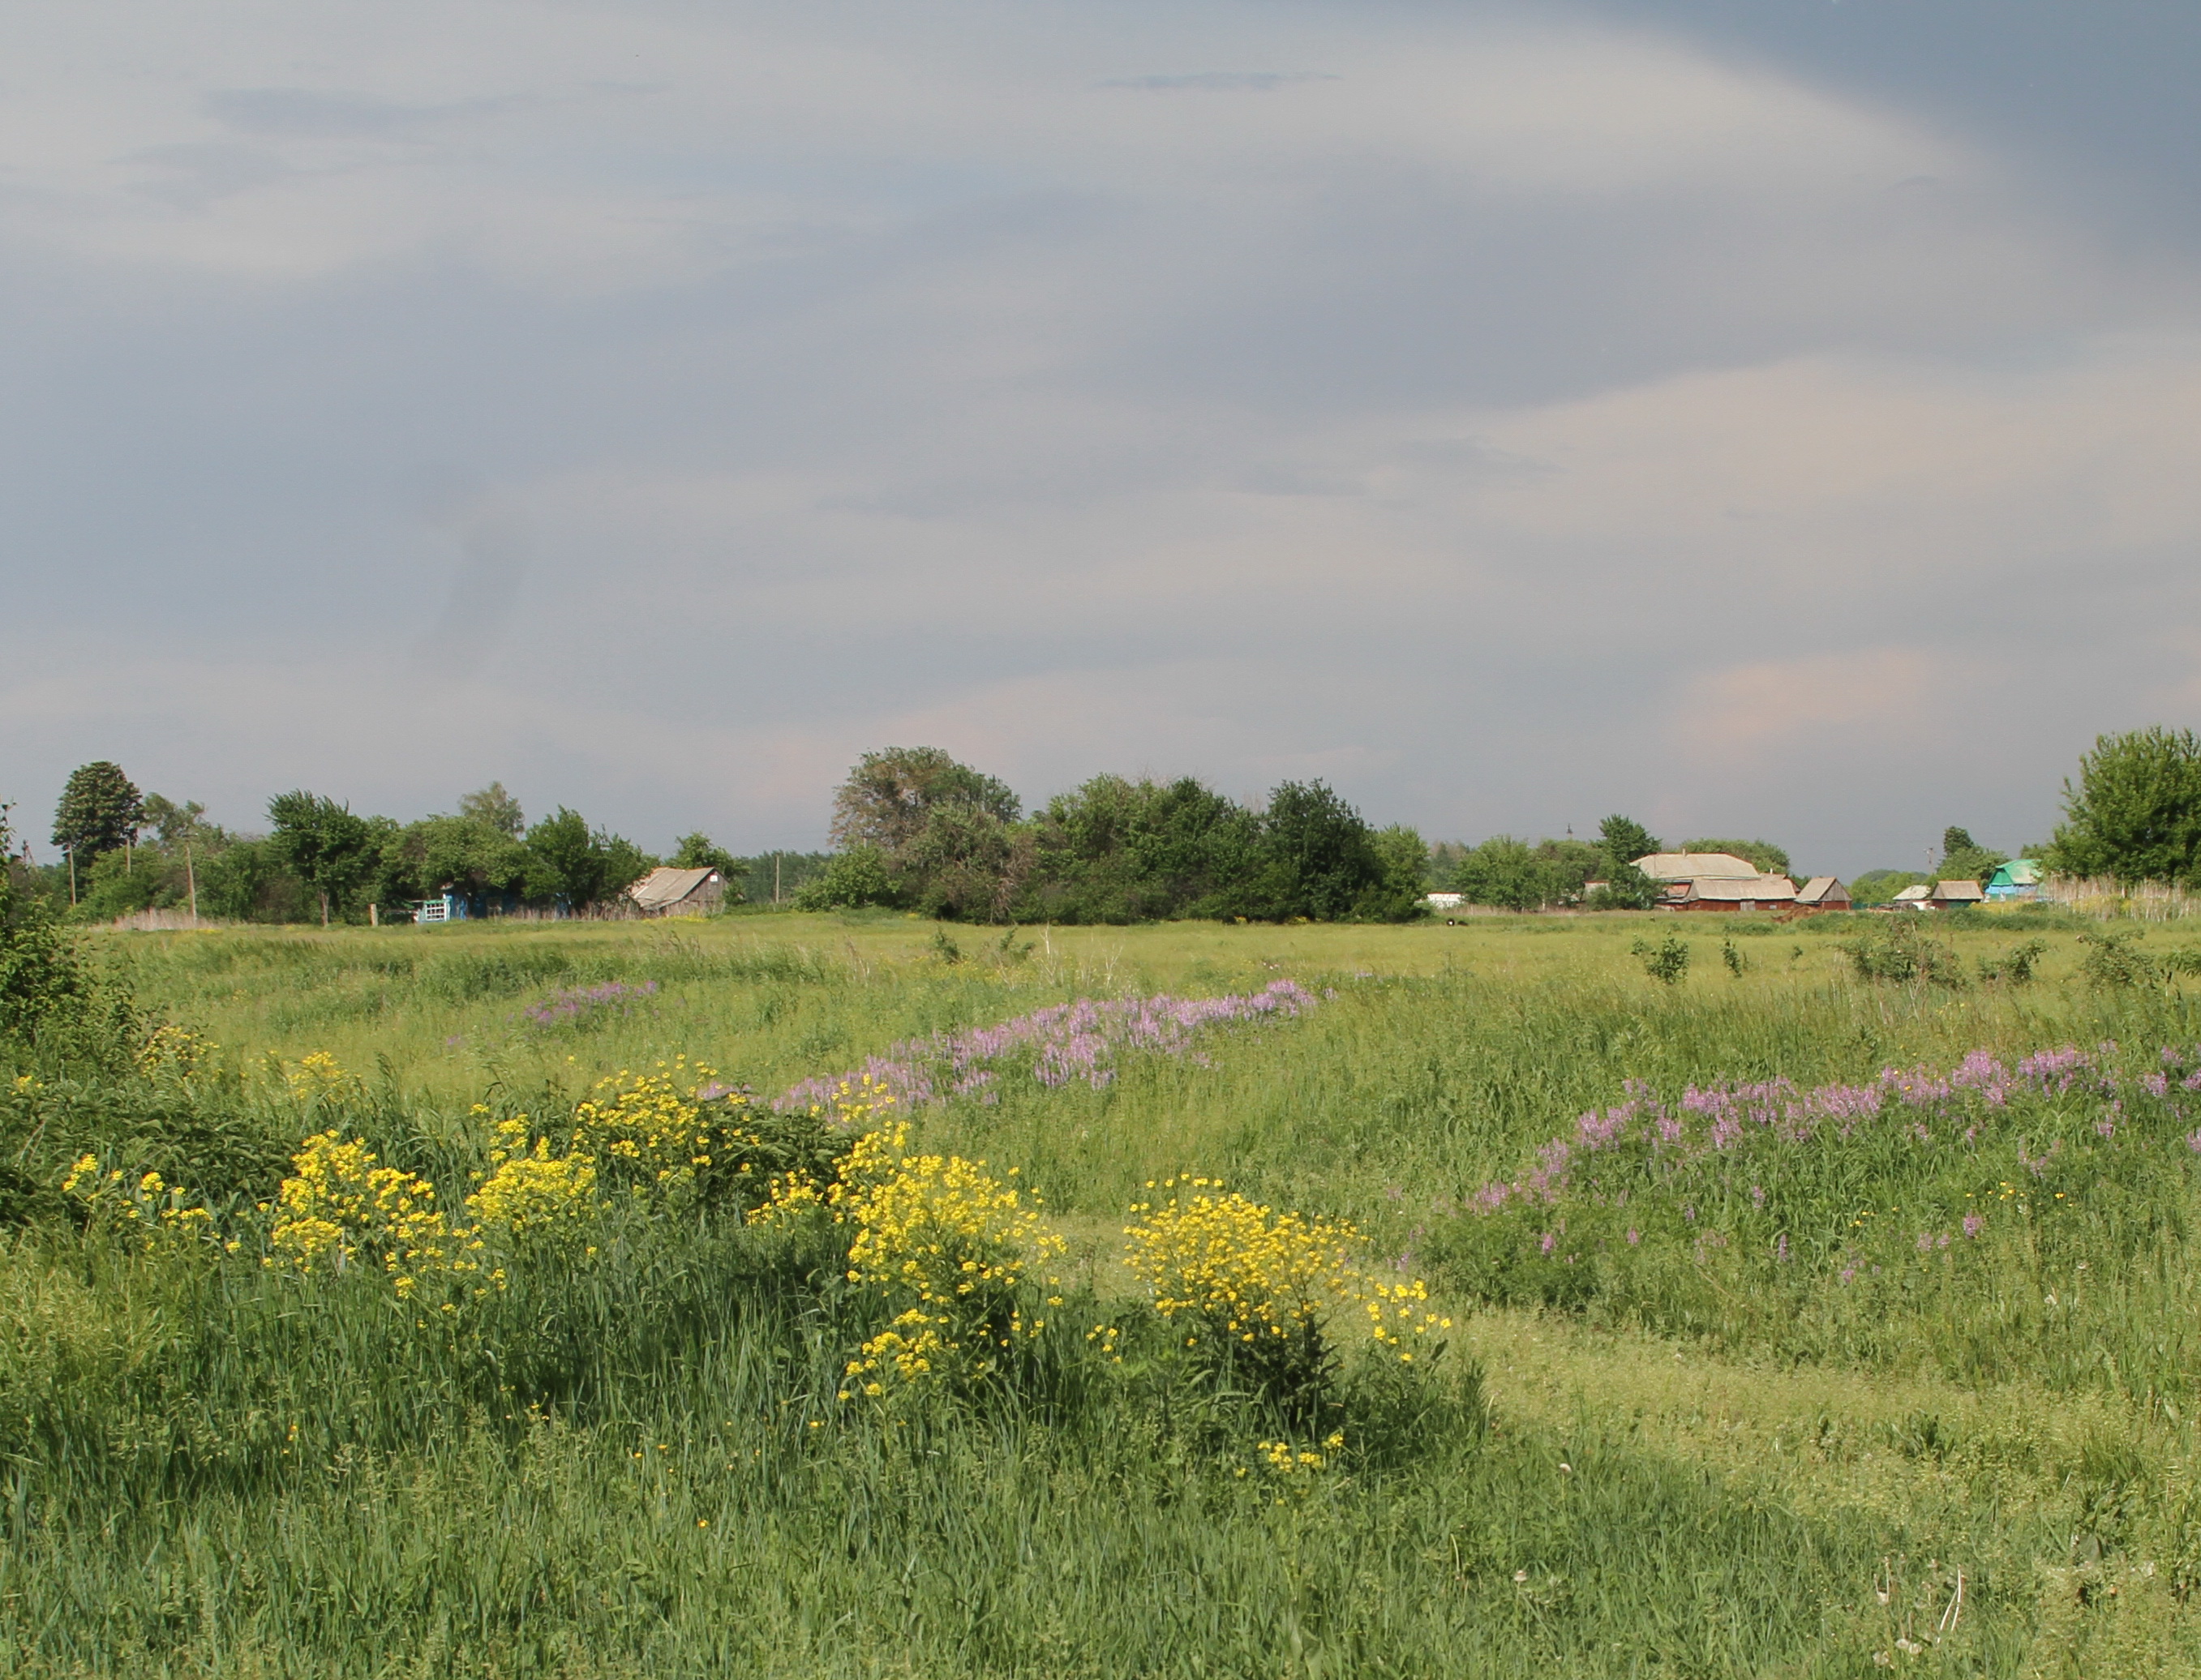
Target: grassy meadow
<point>1822,1373</point>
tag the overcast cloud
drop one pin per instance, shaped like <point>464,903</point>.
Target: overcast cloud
<point>1770,419</point>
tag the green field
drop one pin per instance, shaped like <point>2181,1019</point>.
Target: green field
<point>1750,1402</point>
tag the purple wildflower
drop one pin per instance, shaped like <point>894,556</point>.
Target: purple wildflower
<point>1066,1043</point>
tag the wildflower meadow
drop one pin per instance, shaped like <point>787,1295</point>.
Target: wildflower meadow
<point>802,1298</point>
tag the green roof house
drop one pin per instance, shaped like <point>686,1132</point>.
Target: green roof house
<point>2019,878</point>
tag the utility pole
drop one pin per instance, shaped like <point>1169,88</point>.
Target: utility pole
<point>72,858</point>
<point>191,880</point>
<point>775,877</point>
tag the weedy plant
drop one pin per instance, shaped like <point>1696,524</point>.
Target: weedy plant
<point>1667,961</point>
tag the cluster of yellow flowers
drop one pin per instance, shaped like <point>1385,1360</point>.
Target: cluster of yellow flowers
<point>1283,1458</point>
<point>1251,1275</point>
<point>937,1235</point>
<point>175,1053</point>
<point>338,1200</point>
<point>654,1128</point>
<point>528,1190</point>
<point>316,1078</point>
<point>649,1127</point>
<point>159,1214</point>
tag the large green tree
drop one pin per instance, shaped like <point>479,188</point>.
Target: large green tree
<point>1119,851</point>
<point>1507,874</point>
<point>577,866</point>
<point>890,794</point>
<point>1318,859</point>
<point>99,812</point>
<point>495,808</point>
<point>1622,840</point>
<point>2135,812</point>
<point>322,843</point>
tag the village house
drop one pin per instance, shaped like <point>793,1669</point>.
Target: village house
<point>1955,894</point>
<point>1759,892</point>
<point>1697,881</point>
<point>1823,891</point>
<point>670,891</point>
<point>2018,879</point>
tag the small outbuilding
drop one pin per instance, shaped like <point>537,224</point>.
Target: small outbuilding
<point>2019,879</point>
<point>1955,894</point>
<point>670,891</point>
<point>1823,891</point>
<point>1912,898</point>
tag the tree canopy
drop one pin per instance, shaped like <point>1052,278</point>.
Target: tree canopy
<point>321,841</point>
<point>2135,812</point>
<point>890,793</point>
<point>100,811</point>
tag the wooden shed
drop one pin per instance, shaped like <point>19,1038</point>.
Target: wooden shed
<point>1955,894</point>
<point>1823,891</point>
<point>669,892</point>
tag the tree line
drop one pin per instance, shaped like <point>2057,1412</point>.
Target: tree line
<point>915,829</point>
<point>319,861</point>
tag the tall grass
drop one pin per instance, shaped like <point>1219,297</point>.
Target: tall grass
<point>640,1465</point>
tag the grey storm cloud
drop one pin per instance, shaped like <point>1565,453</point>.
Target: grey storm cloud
<point>1511,412</point>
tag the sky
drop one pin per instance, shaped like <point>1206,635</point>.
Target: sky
<point>1766,417</point>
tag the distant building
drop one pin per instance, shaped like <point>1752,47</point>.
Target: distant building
<point>669,892</point>
<point>1759,892</point>
<point>1696,866</point>
<point>1912,898</point>
<point>2019,878</point>
<point>1823,891</point>
<point>1954,894</point>
<point>1443,900</point>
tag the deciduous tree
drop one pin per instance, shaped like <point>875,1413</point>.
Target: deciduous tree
<point>322,843</point>
<point>2135,813</point>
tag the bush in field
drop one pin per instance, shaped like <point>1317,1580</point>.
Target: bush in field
<point>851,879</point>
<point>2015,966</point>
<point>2115,959</point>
<point>1667,961</point>
<point>1899,948</point>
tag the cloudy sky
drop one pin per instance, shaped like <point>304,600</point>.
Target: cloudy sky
<point>1764,417</point>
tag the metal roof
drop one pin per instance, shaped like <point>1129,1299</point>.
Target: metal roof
<point>1820,887</point>
<point>2018,872</point>
<point>1696,866</point>
<point>1764,889</point>
<point>662,887</point>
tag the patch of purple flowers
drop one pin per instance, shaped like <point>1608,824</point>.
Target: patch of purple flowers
<point>1712,1120</point>
<point>1078,1041</point>
<point>582,1003</point>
